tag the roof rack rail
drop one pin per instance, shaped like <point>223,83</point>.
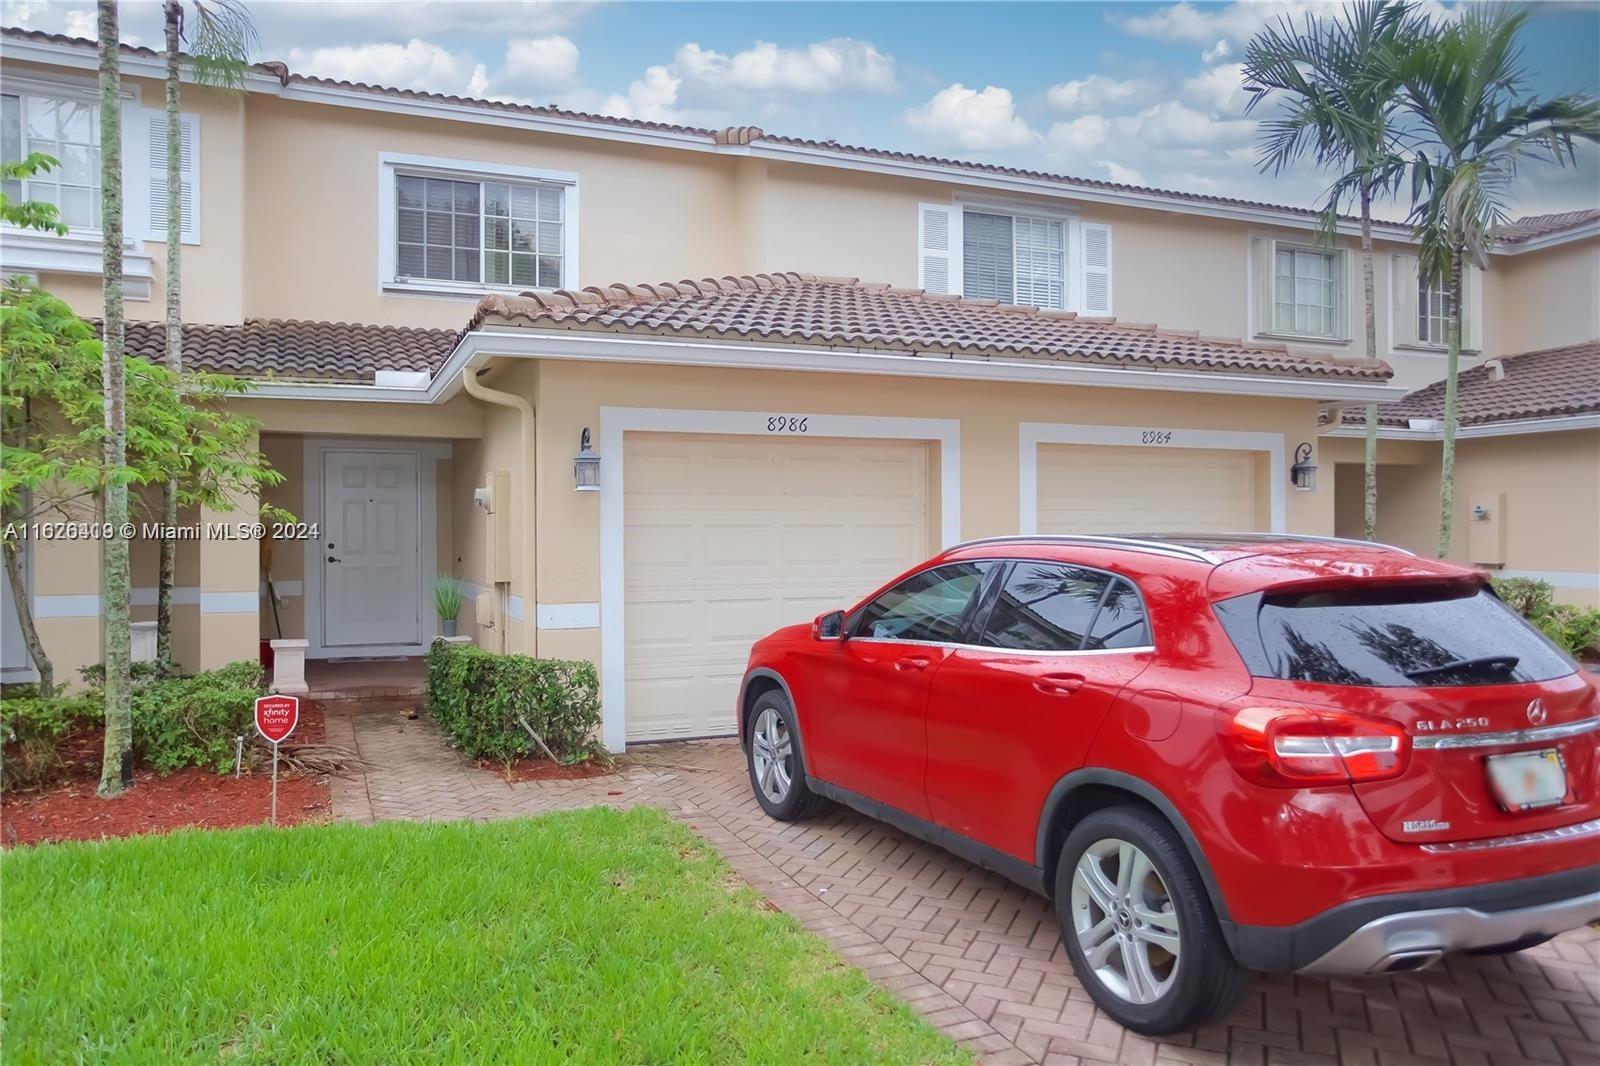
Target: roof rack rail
<point>1267,538</point>
<point>1155,547</point>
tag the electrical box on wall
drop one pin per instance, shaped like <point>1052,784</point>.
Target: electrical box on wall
<point>486,609</point>
<point>1486,529</point>
<point>499,545</point>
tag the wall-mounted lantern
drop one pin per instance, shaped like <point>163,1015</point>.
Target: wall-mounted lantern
<point>586,466</point>
<point>1304,472</point>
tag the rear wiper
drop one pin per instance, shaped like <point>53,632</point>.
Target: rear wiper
<point>1492,662</point>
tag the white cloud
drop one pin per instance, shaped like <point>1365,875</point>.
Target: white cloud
<point>419,19</point>
<point>1121,174</point>
<point>972,118</point>
<point>1220,88</point>
<point>1233,22</point>
<point>1098,91</point>
<point>1079,135</point>
<point>1173,124</point>
<point>822,67</point>
<point>653,97</point>
<point>417,64</point>
<point>1221,50</point>
<point>538,62</point>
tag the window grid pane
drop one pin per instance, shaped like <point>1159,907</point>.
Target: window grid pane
<point>67,130</point>
<point>504,233</point>
<point>1040,261</point>
<point>1431,316</point>
<point>1305,292</point>
<point>987,259</point>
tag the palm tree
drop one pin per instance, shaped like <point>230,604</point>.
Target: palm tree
<point>116,768</point>
<point>1338,92</point>
<point>220,55</point>
<point>1462,86</point>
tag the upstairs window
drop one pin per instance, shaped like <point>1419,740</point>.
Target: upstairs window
<point>1433,319</point>
<point>68,130</point>
<point>1305,292</point>
<point>1015,259</point>
<point>479,232</point>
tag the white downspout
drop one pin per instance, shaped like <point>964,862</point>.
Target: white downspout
<point>530,608</point>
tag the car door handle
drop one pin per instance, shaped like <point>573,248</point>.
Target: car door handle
<point>913,662</point>
<point>1059,684</point>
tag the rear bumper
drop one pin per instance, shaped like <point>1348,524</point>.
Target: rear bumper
<point>1411,929</point>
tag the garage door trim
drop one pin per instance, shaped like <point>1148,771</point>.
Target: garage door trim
<point>615,422</point>
<point>1033,434</point>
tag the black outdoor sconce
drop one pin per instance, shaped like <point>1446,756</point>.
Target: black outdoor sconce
<point>585,466</point>
<point>1304,472</point>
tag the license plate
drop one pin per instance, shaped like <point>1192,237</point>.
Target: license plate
<point>1528,779</point>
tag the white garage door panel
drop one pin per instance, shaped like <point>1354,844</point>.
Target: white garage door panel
<point>1102,489</point>
<point>727,538</point>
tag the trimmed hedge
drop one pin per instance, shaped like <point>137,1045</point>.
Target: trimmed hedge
<point>1576,629</point>
<point>32,729</point>
<point>479,697</point>
<point>192,721</point>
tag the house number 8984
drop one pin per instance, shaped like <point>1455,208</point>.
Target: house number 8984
<point>786,424</point>
<point>1155,436</point>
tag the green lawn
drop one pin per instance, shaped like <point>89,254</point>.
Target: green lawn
<point>591,936</point>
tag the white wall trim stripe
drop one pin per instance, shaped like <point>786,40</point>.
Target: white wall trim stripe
<point>617,421</point>
<point>569,615</point>
<point>67,606</point>
<point>1032,434</point>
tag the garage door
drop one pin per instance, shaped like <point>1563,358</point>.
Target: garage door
<point>728,538</point>
<point>1105,488</point>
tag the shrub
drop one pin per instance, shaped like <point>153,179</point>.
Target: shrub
<point>479,697</point>
<point>1575,629</point>
<point>94,675</point>
<point>32,730</point>
<point>192,721</point>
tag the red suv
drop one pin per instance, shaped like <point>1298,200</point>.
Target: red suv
<point>1215,753</point>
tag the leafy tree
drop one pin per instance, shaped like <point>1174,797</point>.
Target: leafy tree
<point>219,55</point>
<point>1337,83</point>
<point>1462,86</point>
<point>116,769</point>
<point>52,431</point>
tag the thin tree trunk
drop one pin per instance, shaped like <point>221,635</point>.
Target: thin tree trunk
<point>30,632</point>
<point>116,769</point>
<point>1369,478</point>
<point>169,492</point>
<point>1447,461</point>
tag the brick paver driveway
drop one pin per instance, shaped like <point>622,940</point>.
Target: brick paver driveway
<point>980,957</point>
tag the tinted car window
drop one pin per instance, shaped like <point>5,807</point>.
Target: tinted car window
<point>1044,607</point>
<point>929,606</point>
<point>1121,622</point>
<point>1434,636</point>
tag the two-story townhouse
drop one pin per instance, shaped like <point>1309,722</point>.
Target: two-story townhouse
<point>462,369</point>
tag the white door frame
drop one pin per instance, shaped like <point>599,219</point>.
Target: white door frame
<point>617,421</point>
<point>429,454</point>
<point>1153,438</point>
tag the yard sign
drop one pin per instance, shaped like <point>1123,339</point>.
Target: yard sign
<point>276,717</point>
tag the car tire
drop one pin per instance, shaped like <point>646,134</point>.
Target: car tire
<point>776,765</point>
<point>1129,924</point>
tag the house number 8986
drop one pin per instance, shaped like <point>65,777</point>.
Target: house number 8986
<point>786,424</point>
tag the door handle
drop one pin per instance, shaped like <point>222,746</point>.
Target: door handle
<point>913,662</point>
<point>1059,684</point>
<point>331,559</point>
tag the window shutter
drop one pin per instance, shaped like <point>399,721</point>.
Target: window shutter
<point>1404,271</point>
<point>1094,269</point>
<point>190,162</point>
<point>1263,282</point>
<point>939,247</point>
<point>1472,308</point>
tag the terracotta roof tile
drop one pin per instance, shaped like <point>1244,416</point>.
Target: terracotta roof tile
<point>805,309</point>
<point>286,348</point>
<point>1548,383</point>
<point>1531,226</point>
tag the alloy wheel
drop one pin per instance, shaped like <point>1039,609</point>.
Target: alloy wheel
<point>1125,921</point>
<point>772,755</point>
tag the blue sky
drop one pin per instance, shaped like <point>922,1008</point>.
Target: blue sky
<point>1138,92</point>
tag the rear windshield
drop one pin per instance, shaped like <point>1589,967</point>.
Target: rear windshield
<point>1414,637</point>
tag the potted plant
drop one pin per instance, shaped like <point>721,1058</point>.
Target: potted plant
<point>447,601</point>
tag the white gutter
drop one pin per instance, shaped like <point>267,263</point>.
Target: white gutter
<point>530,475</point>
<point>1487,429</point>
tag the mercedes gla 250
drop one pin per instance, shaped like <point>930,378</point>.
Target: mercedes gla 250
<point>1213,753</point>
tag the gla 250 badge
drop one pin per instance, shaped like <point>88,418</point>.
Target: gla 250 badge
<point>1446,725</point>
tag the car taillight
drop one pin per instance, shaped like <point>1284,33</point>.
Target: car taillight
<point>1290,747</point>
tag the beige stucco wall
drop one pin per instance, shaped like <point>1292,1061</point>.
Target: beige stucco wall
<point>1544,298</point>
<point>1550,516</point>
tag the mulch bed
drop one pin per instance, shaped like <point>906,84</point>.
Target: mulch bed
<point>68,809</point>
<point>532,769</point>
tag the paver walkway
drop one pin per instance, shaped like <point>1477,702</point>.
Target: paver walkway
<point>980,957</point>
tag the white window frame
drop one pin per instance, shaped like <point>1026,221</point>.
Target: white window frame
<point>1260,294</point>
<point>392,164</point>
<point>1336,270</point>
<point>1071,251</point>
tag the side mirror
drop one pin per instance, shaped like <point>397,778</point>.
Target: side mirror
<point>828,626</point>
